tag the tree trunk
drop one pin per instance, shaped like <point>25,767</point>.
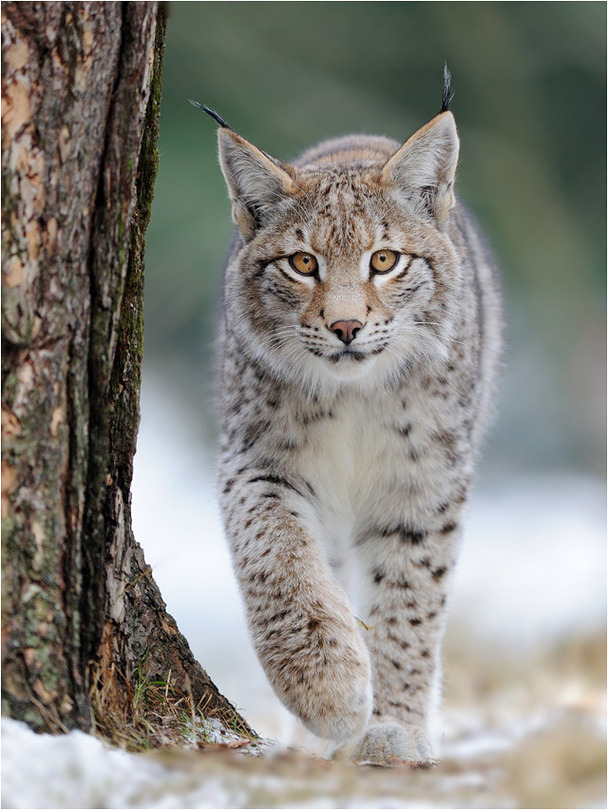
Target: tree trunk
<point>84,625</point>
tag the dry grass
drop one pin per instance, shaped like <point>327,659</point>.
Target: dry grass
<point>140,714</point>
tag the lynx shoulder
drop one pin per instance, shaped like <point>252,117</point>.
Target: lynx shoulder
<point>360,343</point>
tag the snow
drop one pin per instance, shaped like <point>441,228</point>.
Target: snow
<point>534,557</point>
<point>77,770</point>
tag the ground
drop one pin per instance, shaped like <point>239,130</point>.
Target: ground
<point>519,732</point>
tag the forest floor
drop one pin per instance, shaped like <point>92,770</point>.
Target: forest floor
<point>519,732</point>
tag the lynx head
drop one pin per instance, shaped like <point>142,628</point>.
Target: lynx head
<point>342,269</point>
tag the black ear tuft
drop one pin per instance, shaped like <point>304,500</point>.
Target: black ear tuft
<point>448,93</point>
<point>212,113</point>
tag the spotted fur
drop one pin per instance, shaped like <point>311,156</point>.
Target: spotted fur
<point>345,467</point>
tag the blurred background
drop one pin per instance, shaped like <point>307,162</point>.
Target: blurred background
<point>529,102</point>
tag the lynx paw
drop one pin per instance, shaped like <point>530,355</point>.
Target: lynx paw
<point>340,711</point>
<point>388,744</point>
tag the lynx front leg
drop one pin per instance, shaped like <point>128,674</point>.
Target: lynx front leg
<point>302,624</point>
<point>407,572</point>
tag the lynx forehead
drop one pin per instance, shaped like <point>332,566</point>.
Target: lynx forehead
<point>360,341</point>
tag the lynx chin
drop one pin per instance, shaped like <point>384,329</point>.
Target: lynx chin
<point>359,349</point>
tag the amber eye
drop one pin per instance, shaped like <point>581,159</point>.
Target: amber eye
<point>304,263</point>
<point>383,260</point>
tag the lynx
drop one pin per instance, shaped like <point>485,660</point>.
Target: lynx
<point>359,348</point>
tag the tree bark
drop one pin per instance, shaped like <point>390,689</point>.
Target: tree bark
<point>83,621</point>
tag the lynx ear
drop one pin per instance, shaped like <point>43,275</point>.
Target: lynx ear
<point>256,182</point>
<point>423,169</point>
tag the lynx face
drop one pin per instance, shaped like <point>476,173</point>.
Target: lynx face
<point>344,269</point>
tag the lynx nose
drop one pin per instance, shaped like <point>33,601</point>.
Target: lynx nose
<point>346,330</point>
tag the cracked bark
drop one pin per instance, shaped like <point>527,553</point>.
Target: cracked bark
<point>81,613</point>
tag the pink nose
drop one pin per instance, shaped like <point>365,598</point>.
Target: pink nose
<point>346,330</point>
